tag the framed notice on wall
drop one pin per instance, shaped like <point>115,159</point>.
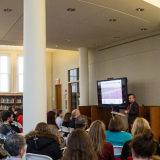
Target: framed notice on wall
<point>66,104</point>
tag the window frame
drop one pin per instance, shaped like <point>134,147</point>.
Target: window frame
<point>9,72</point>
<point>19,55</point>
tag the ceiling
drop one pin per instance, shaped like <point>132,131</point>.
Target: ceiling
<point>88,25</point>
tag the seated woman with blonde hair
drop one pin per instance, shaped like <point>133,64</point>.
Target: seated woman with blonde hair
<point>103,149</point>
<point>143,146</point>
<point>43,141</point>
<point>115,133</point>
<point>79,146</point>
<point>139,125</point>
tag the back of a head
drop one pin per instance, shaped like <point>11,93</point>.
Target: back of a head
<point>81,121</point>
<point>143,145</point>
<point>67,117</point>
<point>98,136</point>
<point>139,125</point>
<point>6,115</point>
<point>43,127</point>
<point>75,112</point>
<point>59,112</point>
<point>14,144</point>
<point>79,146</point>
<point>116,124</point>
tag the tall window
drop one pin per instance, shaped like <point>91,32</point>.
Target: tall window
<point>4,73</point>
<point>20,74</point>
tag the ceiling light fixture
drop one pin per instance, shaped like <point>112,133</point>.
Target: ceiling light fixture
<point>117,37</point>
<point>67,40</point>
<point>153,2</point>
<point>139,9</point>
<point>143,29</point>
<point>55,46</point>
<point>112,20</point>
<point>71,9</point>
<point>7,10</point>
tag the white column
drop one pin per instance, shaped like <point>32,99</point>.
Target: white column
<point>34,64</point>
<point>83,72</point>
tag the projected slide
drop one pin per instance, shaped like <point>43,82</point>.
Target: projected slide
<point>111,92</point>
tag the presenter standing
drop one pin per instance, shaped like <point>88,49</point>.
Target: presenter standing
<point>133,110</point>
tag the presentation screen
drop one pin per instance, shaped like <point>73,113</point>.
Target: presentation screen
<point>112,92</point>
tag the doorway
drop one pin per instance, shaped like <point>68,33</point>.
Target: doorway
<point>58,97</point>
<point>74,95</point>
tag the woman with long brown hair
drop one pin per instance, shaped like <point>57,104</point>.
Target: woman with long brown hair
<point>103,149</point>
<point>79,147</point>
<point>66,119</point>
<point>43,141</point>
<point>51,121</point>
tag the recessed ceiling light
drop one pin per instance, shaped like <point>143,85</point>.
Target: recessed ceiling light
<point>95,44</point>
<point>7,10</point>
<point>117,37</point>
<point>71,9</point>
<point>55,46</point>
<point>140,9</point>
<point>112,20</point>
<point>143,29</point>
<point>67,40</point>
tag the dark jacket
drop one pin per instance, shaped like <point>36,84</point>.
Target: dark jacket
<point>65,124</point>
<point>133,112</point>
<point>6,130</point>
<point>72,123</point>
<point>126,151</point>
<point>43,143</point>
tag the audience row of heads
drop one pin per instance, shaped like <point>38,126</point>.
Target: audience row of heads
<point>90,145</point>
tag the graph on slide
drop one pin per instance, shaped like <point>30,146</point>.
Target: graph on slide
<point>111,93</point>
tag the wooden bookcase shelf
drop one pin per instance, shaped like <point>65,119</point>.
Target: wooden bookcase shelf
<point>7,101</point>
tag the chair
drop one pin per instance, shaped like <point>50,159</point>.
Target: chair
<point>31,156</point>
<point>70,129</point>
<point>117,150</point>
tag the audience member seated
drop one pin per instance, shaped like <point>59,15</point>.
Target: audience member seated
<point>59,119</point>
<point>66,119</point>
<point>15,146</point>
<point>139,125</point>
<point>43,141</point>
<point>103,149</point>
<point>143,146</point>
<point>80,123</point>
<point>20,119</point>
<point>115,134</point>
<point>17,113</point>
<point>7,128</point>
<point>79,147</point>
<point>54,127</point>
<point>12,109</point>
<point>75,114</point>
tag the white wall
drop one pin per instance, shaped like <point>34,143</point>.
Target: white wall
<point>63,61</point>
<point>139,61</point>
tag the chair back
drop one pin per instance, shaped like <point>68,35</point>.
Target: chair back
<point>70,129</point>
<point>31,156</point>
<point>117,150</point>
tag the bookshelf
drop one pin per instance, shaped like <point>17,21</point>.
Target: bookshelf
<point>7,101</point>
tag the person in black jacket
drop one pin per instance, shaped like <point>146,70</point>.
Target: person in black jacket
<point>7,127</point>
<point>43,141</point>
<point>66,119</point>
<point>75,114</point>
<point>133,110</point>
